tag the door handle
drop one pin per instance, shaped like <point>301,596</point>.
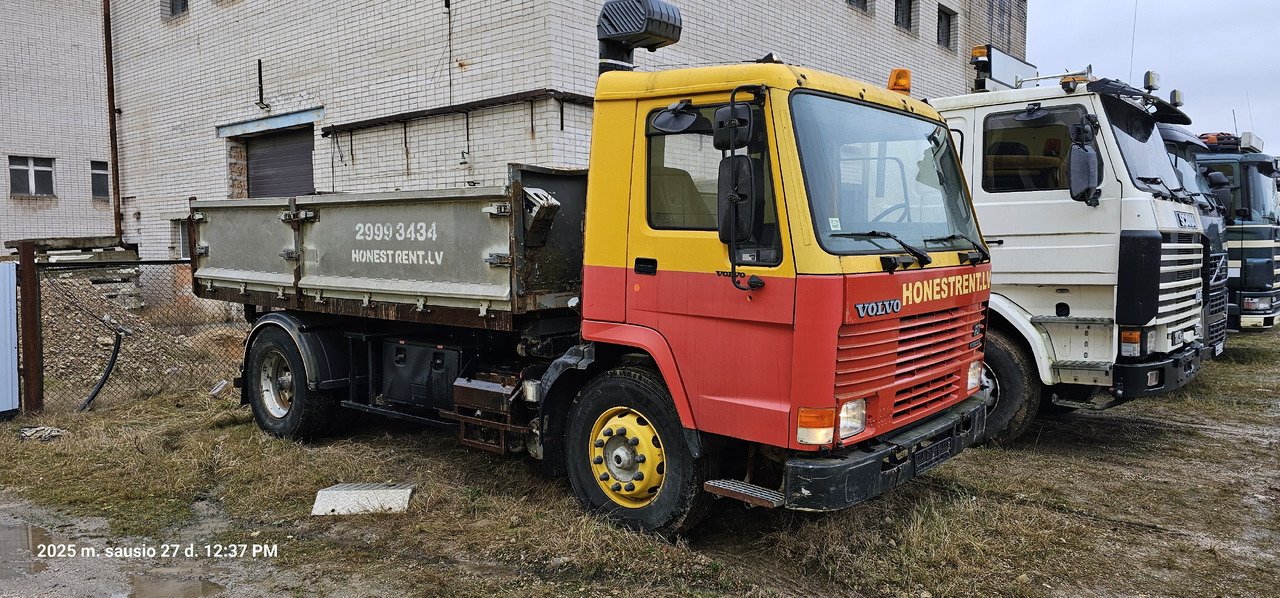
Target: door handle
<point>647,266</point>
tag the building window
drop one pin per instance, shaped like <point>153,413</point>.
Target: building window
<point>902,13</point>
<point>946,28</point>
<point>98,174</point>
<point>177,7</point>
<point>860,4</point>
<point>30,176</point>
<point>182,239</point>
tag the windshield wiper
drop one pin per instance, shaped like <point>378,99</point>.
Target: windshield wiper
<point>1173,193</point>
<point>986,255</point>
<point>922,256</point>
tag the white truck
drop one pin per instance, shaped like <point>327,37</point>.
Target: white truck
<point>1097,277</point>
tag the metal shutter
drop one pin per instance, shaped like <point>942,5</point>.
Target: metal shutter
<point>280,163</point>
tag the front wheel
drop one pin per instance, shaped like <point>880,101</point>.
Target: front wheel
<point>278,394</point>
<point>1010,380</point>
<point>627,457</point>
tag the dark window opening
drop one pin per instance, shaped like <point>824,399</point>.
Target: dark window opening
<point>99,177</point>
<point>30,176</point>
<point>177,7</point>
<point>946,27</point>
<point>902,13</point>
<point>859,4</point>
<point>279,163</point>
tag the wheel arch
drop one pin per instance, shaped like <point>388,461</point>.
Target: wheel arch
<point>1014,322</point>
<point>323,352</point>
<point>567,375</point>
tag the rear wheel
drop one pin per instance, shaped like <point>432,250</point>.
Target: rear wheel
<point>1013,385</point>
<point>627,457</point>
<point>278,394</point>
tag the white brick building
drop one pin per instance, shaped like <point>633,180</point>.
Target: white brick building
<point>53,121</point>
<point>378,75</point>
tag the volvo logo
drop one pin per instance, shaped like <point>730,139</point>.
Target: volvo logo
<point>879,308</point>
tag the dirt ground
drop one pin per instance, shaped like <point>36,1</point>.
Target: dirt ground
<point>1177,495</point>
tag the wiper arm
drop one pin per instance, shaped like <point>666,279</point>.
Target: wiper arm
<point>1173,193</point>
<point>986,255</point>
<point>922,256</point>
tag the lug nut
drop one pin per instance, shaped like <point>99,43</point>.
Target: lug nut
<point>607,432</point>
<point>640,458</point>
<point>639,476</point>
<point>604,477</point>
<point>633,441</point>
<point>599,444</point>
<point>622,431</point>
<point>616,487</point>
<point>598,460</point>
<point>629,487</point>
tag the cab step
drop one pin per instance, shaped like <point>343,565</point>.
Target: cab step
<point>745,492</point>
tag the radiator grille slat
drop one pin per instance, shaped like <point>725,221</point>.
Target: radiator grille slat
<point>914,356</point>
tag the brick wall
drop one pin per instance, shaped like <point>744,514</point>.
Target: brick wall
<point>53,105</point>
<point>180,77</point>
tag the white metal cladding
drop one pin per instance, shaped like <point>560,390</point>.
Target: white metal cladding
<point>8,336</point>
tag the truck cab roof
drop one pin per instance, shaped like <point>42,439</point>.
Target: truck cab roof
<point>627,85</point>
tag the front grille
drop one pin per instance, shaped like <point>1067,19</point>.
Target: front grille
<point>1181,265</point>
<point>914,356</point>
<point>1217,332</point>
<point>1275,263</point>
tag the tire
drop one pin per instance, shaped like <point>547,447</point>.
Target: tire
<point>601,441</point>
<point>1012,380</point>
<point>282,404</point>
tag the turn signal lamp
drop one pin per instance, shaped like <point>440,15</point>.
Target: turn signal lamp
<point>816,426</point>
<point>900,81</point>
<point>1131,343</point>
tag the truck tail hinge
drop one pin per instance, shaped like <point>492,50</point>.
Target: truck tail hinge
<point>291,254</point>
<point>499,260</point>
<point>497,210</point>
<point>297,216</point>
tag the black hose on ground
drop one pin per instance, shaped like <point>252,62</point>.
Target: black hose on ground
<point>111,365</point>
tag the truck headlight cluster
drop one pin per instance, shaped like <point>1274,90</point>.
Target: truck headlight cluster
<point>853,418</point>
<point>1256,303</point>
<point>975,375</point>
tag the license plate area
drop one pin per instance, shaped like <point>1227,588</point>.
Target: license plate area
<point>931,456</point>
<point>1217,349</point>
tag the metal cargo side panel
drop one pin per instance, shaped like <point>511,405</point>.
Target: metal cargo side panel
<point>244,240</point>
<point>424,248</point>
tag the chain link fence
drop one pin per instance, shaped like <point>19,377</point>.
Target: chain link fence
<point>143,317</point>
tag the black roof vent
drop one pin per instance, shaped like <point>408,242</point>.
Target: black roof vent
<point>625,25</point>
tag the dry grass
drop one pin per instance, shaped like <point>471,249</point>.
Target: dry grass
<point>1174,496</point>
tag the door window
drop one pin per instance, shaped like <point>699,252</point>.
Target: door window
<point>1028,154</point>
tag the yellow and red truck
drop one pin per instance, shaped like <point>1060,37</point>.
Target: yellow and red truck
<point>769,286</point>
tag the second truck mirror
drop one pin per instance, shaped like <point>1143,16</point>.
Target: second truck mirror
<point>1082,172</point>
<point>735,201</point>
<point>723,130</point>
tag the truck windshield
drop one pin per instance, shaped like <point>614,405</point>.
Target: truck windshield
<point>872,169</point>
<point>1260,190</point>
<point>1142,148</point>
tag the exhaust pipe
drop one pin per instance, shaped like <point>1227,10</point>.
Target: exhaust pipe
<point>625,25</point>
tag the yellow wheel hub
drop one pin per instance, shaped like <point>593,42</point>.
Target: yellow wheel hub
<point>626,457</point>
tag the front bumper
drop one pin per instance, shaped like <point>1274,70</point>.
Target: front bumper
<point>836,482</point>
<point>1129,380</point>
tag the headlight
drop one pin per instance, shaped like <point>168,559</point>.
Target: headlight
<point>1256,303</point>
<point>975,375</point>
<point>853,418</point>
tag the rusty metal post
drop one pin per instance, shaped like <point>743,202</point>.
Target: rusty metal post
<point>32,335</point>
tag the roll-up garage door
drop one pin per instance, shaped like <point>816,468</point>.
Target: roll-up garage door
<point>280,163</point>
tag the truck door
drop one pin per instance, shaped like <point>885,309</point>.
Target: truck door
<point>732,347</point>
<point>1016,159</point>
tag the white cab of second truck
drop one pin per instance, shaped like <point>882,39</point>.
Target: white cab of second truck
<point>1096,250</point>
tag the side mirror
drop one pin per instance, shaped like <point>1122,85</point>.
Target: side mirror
<point>1082,133</point>
<point>735,201</point>
<point>725,136</point>
<point>1223,194</point>
<point>1082,170</point>
<point>1243,213</point>
<point>1218,180</point>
